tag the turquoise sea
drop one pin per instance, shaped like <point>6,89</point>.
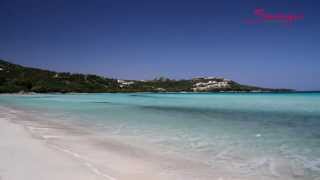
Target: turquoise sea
<point>273,134</point>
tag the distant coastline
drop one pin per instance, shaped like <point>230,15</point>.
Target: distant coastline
<point>199,93</point>
<point>23,80</point>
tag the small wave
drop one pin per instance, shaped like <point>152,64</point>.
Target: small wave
<point>85,161</point>
<point>50,137</point>
<point>37,97</point>
<point>307,163</point>
<point>102,102</point>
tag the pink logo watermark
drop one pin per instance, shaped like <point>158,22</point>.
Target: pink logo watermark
<point>261,16</point>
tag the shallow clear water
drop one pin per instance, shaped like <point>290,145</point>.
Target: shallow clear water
<point>243,131</point>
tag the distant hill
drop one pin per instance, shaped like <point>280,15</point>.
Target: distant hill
<point>15,78</point>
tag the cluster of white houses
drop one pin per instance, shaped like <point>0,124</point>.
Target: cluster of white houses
<point>199,84</point>
<point>211,83</point>
<point>124,83</point>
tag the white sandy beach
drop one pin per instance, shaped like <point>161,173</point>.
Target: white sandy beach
<point>24,157</point>
<point>35,148</point>
<point>42,150</point>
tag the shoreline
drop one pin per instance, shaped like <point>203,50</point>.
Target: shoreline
<point>150,92</point>
<point>35,146</point>
<point>24,156</point>
<point>46,148</point>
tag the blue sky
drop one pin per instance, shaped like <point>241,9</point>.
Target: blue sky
<point>174,38</point>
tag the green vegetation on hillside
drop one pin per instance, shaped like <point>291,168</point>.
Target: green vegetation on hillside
<point>15,78</point>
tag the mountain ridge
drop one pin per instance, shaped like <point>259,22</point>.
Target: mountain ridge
<point>15,78</point>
